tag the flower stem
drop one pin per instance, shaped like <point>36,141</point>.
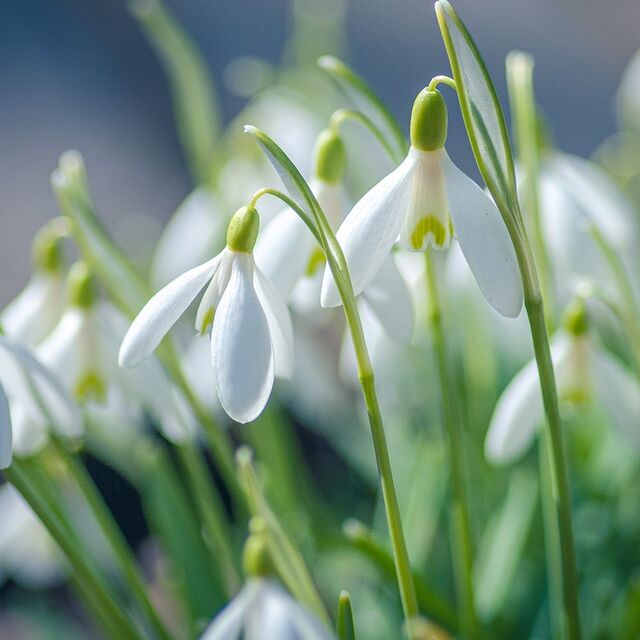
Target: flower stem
<point>557,458</point>
<point>85,574</point>
<point>113,534</point>
<point>461,545</point>
<point>367,382</point>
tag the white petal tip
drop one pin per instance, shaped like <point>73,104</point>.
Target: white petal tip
<point>249,128</point>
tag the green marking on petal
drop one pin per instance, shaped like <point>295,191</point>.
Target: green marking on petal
<point>91,387</point>
<point>430,224</point>
<point>316,261</point>
<point>576,395</point>
<point>207,321</point>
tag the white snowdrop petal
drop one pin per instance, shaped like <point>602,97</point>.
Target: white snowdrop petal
<point>389,298</point>
<point>519,411</point>
<point>618,392</point>
<point>41,394</point>
<point>279,322</point>
<point>36,310</point>
<point>516,418</point>
<point>597,196</point>
<point>5,431</point>
<point>242,355</point>
<point>213,293</point>
<point>162,312</point>
<point>371,228</point>
<point>484,240</point>
<point>283,250</point>
<point>228,624</point>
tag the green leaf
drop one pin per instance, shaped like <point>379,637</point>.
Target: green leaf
<point>366,100</point>
<point>286,558</point>
<point>194,99</point>
<point>344,620</point>
<point>116,273</point>
<point>481,109</point>
<point>171,517</point>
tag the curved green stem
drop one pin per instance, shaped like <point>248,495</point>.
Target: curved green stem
<point>91,581</point>
<point>461,543</point>
<point>436,80</point>
<point>113,534</point>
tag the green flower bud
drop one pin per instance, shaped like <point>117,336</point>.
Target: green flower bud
<point>256,558</point>
<point>330,157</point>
<point>575,318</point>
<point>242,232</point>
<point>81,286</point>
<point>428,121</point>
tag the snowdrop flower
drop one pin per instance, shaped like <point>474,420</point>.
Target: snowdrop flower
<point>575,193</point>
<point>584,371</point>
<point>423,203</point>
<point>628,97</point>
<point>31,402</point>
<point>263,610</point>
<point>289,255</point>
<point>28,553</point>
<point>35,311</point>
<point>251,336</point>
<point>82,350</point>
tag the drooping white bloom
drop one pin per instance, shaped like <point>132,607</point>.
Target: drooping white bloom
<point>28,553</point>
<point>82,349</point>
<point>251,336</point>
<point>424,203</point>
<point>584,371</point>
<point>32,402</point>
<point>290,257</point>
<point>30,316</point>
<point>264,611</point>
<point>574,194</point>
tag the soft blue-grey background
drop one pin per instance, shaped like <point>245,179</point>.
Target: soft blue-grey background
<point>79,73</point>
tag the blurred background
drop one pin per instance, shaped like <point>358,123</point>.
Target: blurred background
<point>81,75</point>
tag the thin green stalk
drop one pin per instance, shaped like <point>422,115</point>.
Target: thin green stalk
<point>91,581</point>
<point>551,539</point>
<point>555,444</point>
<point>390,498</point>
<point>461,544</point>
<point>218,535</point>
<point>114,536</point>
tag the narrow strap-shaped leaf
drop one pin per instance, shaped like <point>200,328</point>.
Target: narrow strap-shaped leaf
<point>116,273</point>
<point>344,620</point>
<point>287,559</point>
<point>366,100</point>
<point>480,106</point>
<point>194,98</point>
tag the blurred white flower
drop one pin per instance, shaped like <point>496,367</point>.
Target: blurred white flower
<point>28,553</point>
<point>82,350</point>
<point>194,231</point>
<point>574,194</point>
<point>628,97</point>
<point>33,313</point>
<point>251,336</point>
<point>264,611</point>
<point>584,371</point>
<point>36,402</point>
<point>289,255</point>
<point>423,203</point>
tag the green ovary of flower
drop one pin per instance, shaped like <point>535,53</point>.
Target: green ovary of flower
<point>91,386</point>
